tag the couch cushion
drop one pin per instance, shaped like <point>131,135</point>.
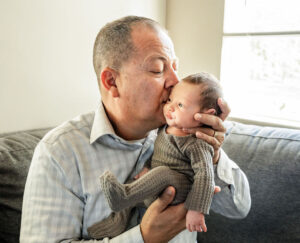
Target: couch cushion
<point>16,150</point>
<point>270,157</point>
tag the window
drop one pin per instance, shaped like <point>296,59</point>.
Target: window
<point>260,66</point>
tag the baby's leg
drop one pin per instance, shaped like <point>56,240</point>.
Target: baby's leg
<point>120,196</point>
<point>113,225</point>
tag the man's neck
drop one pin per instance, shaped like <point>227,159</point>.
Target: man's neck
<point>127,129</point>
<point>129,132</point>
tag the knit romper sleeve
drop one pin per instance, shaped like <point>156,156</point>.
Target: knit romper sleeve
<point>200,154</point>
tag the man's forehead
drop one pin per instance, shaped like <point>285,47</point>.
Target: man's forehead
<point>156,44</point>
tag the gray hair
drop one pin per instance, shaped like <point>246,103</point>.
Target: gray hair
<point>113,45</point>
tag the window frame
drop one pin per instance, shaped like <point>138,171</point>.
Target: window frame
<point>256,119</point>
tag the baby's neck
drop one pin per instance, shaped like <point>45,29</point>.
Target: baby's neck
<point>176,131</point>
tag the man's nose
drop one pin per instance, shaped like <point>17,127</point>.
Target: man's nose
<point>172,79</point>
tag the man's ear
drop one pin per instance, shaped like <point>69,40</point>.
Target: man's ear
<point>108,80</point>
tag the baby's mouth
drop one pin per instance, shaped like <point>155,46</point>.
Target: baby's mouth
<point>168,115</point>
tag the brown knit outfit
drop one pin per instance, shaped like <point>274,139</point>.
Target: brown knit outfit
<point>183,162</point>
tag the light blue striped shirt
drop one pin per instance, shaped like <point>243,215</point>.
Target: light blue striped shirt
<point>62,196</point>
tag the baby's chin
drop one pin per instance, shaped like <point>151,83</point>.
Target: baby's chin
<point>175,125</point>
<point>170,123</point>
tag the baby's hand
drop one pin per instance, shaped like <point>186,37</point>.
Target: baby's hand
<point>143,172</point>
<point>195,221</point>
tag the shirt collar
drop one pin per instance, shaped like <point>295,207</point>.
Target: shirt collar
<point>101,125</point>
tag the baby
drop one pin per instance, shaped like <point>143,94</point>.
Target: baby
<point>179,159</point>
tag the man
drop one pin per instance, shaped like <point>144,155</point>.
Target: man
<point>136,67</point>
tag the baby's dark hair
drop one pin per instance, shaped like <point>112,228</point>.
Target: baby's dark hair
<point>211,92</point>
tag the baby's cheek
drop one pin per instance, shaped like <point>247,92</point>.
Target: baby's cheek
<point>182,121</point>
<point>189,121</point>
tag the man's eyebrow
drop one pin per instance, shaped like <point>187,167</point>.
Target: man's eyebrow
<point>153,58</point>
<point>164,59</point>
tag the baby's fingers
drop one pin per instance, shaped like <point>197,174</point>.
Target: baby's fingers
<point>198,228</point>
<point>203,226</point>
<point>189,227</point>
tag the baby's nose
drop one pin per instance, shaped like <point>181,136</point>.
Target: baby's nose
<point>171,108</point>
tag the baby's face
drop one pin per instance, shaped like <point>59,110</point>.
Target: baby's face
<point>182,105</point>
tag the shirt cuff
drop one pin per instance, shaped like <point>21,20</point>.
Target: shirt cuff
<point>133,235</point>
<point>235,193</point>
<point>225,168</point>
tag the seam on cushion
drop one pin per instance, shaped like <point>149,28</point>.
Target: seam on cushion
<point>257,136</point>
<point>2,151</point>
<point>9,134</point>
<point>42,139</point>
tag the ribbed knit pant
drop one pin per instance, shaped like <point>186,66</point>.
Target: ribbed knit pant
<point>123,197</point>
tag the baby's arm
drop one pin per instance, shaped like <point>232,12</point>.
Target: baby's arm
<point>195,221</point>
<point>199,199</point>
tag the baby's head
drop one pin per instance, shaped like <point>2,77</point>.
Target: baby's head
<point>210,90</point>
<point>196,93</point>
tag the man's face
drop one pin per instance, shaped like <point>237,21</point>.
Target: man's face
<point>182,105</point>
<point>145,81</point>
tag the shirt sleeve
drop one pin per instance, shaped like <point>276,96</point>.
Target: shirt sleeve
<point>234,200</point>
<point>53,204</point>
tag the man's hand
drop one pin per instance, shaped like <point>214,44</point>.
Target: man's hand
<point>216,134</point>
<point>162,222</point>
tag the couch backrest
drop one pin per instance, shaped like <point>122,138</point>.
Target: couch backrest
<point>270,157</point>
<point>16,150</point>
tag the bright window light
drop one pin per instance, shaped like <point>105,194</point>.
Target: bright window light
<point>260,67</point>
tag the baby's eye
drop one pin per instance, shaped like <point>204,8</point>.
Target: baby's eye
<point>180,105</point>
<point>168,100</point>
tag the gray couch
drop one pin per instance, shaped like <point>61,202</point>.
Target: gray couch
<point>269,156</point>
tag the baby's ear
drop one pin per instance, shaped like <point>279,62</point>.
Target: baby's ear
<point>210,111</point>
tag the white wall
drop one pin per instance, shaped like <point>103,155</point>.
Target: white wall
<point>46,71</point>
<point>196,28</point>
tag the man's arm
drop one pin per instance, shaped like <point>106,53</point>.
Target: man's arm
<point>234,200</point>
<point>53,204</point>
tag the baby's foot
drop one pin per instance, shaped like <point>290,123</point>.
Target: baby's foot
<point>114,191</point>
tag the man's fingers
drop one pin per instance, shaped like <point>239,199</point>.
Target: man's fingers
<point>143,172</point>
<point>210,120</point>
<point>165,199</point>
<point>220,136</point>
<point>204,130</point>
<point>224,108</point>
<point>210,140</point>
